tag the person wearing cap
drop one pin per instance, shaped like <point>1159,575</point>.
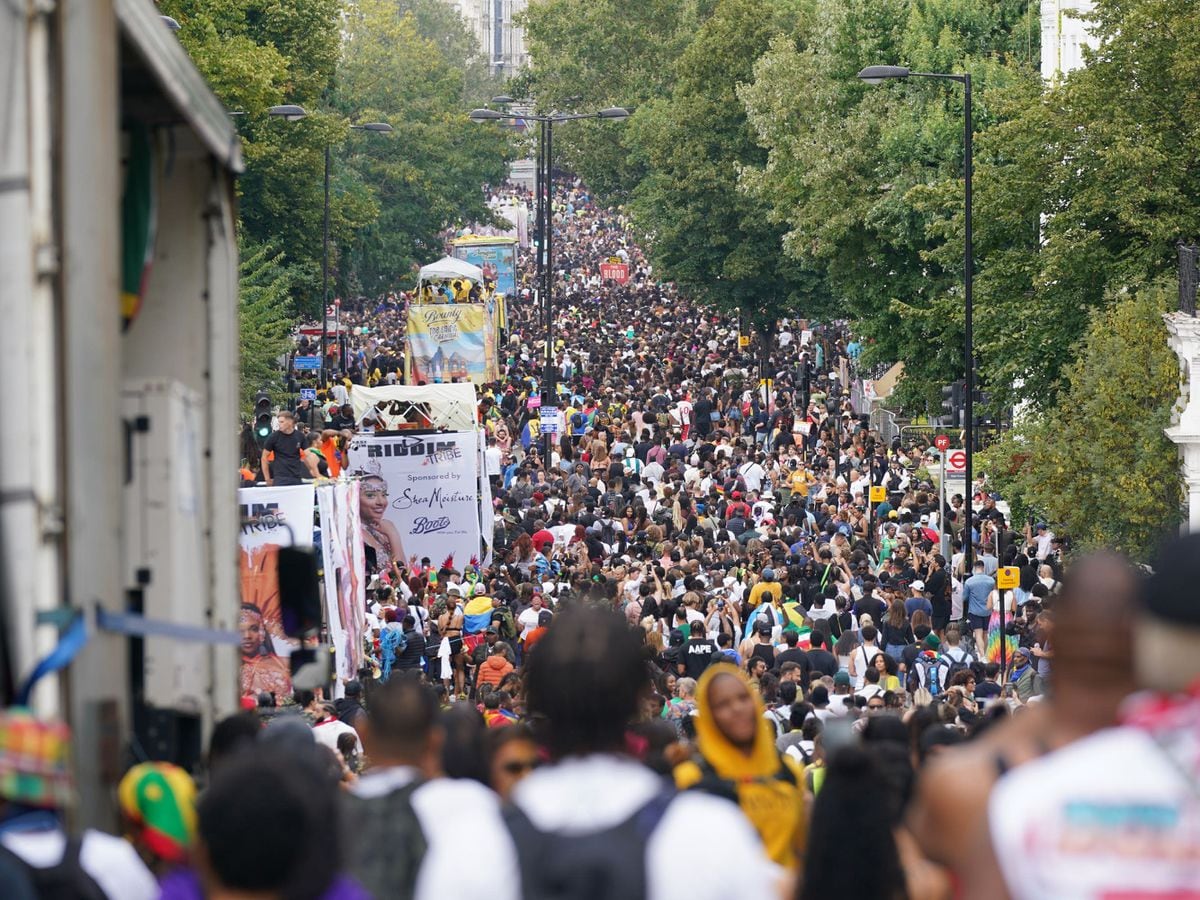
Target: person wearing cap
<point>917,600</point>
<point>766,585</point>
<point>1040,537</point>
<point>158,814</point>
<point>36,850</point>
<point>491,638</point>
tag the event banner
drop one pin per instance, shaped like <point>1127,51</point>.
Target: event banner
<point>498,261</point>
<point>344,564</point>
<point>615,270</point>
<point>419,497</point>
<point>272,517</point>
<point>487,513</point>
<point>448,342</point>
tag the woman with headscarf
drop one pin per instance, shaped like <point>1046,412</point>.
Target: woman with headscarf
<point>737,759</point>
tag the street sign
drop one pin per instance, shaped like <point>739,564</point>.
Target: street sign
<point>1008,577</point>
<point>942,442</point>
<point>878,493</point>
<point>743,341</point>
<point>308,393</point>
<point>300,363</point>
<point>956,462</point>
<point>548,420</point>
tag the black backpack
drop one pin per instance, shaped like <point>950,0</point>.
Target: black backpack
<point>388,844</point>
<point>957,666</point>
<point>66,881</point>
<point>603,865</point>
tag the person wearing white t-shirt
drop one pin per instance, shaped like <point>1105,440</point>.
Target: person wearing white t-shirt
<point>528,619</point>
<point>753,474</point>
<point>1117,814</point>
<point>591,786</point>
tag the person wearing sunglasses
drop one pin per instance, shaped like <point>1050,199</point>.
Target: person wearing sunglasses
<point>512,754</point>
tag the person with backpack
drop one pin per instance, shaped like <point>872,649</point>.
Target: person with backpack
<point>594,822</point>
<point>737,759</point>
<point>958,656</point>
<point>404,830</point>
<point>928,671</point>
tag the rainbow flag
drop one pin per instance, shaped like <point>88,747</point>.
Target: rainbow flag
<point>477,614</point>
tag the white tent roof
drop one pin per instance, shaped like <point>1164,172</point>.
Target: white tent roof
<point>449,268</point>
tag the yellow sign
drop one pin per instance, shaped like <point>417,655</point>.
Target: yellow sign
<point>1008,577</point>
<point>878,493</point>
<point>743,341</point>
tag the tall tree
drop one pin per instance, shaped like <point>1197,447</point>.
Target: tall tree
<point>426,175</point>
<point>718,242</point>
<point>265,317</point>
<point>1097,463</point>
<point>590,54</point>
<point>260,53</point>
<point>1101,177</point>
<point>868,179</point>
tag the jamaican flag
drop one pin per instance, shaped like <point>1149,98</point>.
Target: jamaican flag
<point>139,221</point>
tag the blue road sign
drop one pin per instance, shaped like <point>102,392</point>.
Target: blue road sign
<point>300,363</point>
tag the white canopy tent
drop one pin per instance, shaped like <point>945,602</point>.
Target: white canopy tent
<point>448,268</point>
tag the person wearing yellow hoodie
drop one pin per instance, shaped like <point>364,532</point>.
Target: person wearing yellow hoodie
<point>737,759</point>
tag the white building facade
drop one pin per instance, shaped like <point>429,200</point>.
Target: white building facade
<point>1064,36</point>
<point>501,39</point>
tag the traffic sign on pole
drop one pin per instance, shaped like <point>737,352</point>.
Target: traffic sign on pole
<point>1008,577</point>
<point>942,442</point>
<point>878,493</point>
<point>308,393</point>
<point>956,462</point>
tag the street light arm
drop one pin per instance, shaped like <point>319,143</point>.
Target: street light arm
<point>961,79</point>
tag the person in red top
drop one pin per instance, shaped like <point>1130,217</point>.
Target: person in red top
<point>542,538</point>
<point>738,507</point>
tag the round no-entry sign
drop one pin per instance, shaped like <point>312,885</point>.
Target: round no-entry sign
<point>941,441</point>
<point>956,461</point>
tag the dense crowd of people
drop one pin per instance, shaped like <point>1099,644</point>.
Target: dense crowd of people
<point>715,663</point>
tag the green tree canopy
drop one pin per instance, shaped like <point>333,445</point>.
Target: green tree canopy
<point>591,54</point>
<point>430,172</point>
<point>718,243</point>
<point>1097,464</point>
<point>868,179</point>
<point>265,318</point>
<point>260,53</point>
<point>1109,160</point>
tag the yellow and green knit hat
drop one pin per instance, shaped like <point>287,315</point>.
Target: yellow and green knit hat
<point>159,800</point>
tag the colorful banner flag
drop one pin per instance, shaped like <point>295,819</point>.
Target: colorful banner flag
<point>497,259</point>
<point>419,497</point>
<point>449,342</point>
<point>272,517</point>
<point>344,564</point>
<point>139,221</point>
<point>477,614</point>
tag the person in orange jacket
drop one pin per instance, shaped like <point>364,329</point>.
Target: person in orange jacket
<point>493,669</point>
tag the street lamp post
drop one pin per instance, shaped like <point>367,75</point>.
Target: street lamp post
<point>291,113</point>
<point>877,75</point>
<point>544,188</point>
